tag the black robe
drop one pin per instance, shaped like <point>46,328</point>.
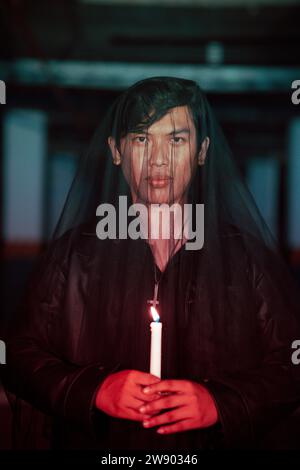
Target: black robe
<point>88,316</point>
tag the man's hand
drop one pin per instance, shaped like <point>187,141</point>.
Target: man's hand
<point>191,405</point>
<point>121,394</point>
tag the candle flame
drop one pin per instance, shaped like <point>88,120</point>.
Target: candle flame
<point>154,313</point>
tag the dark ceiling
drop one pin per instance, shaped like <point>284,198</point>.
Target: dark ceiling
<point>268,35</point>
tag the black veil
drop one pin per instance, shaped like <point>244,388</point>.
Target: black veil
<point>229,208</point>
<point>160,144</point>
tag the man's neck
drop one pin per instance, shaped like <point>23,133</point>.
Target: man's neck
<point>164,222</point>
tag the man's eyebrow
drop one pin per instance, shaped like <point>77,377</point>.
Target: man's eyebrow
<point>184,130</point>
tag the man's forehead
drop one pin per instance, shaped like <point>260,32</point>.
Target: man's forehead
<point>175,119</point>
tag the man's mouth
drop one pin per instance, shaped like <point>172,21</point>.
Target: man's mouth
<point>158,182</point>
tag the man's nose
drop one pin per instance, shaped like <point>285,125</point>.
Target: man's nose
<point>159,156</point>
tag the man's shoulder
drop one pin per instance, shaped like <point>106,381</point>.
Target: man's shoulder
<point>235,236</point>
<point>81,240</point>
<point>261,254</point>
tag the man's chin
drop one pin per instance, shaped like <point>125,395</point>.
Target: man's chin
<point>157,200</point>
<point>158,197</point>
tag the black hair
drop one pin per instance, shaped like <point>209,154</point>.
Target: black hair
<point>149,100</point>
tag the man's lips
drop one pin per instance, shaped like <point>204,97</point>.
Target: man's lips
<point>159,181</point>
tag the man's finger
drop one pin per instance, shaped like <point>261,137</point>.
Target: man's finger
<point>164,386</point>
<point>134,414</point>
<point>167,417</point>
<point>140,395</point>
<point>180,426</point>
<point>163,403</point>
<point>143,378</point>
<point>134,402</point>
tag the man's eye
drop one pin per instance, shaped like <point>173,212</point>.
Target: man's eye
<point>177,140</point>
<point>140,139</point>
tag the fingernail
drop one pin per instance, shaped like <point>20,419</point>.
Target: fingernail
<point>146,390</point>
<point>142,409</point>
<point>161,431</point>
<point>146,423</point>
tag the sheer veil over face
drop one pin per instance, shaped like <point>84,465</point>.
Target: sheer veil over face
<point>160,143</point>
<point>159,161</point>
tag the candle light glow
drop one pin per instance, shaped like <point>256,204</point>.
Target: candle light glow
<point>155,314</point>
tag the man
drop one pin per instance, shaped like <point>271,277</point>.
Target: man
<point>82,350</point>
<point>121,394</point>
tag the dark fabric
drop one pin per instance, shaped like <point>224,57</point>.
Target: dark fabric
<point>83,321</point>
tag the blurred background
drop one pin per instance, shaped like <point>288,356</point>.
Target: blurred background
<point>63,62</point>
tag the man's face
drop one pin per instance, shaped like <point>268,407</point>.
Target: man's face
<point>158,164</point>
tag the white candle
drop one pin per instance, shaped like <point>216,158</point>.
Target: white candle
<point>155,351</point>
